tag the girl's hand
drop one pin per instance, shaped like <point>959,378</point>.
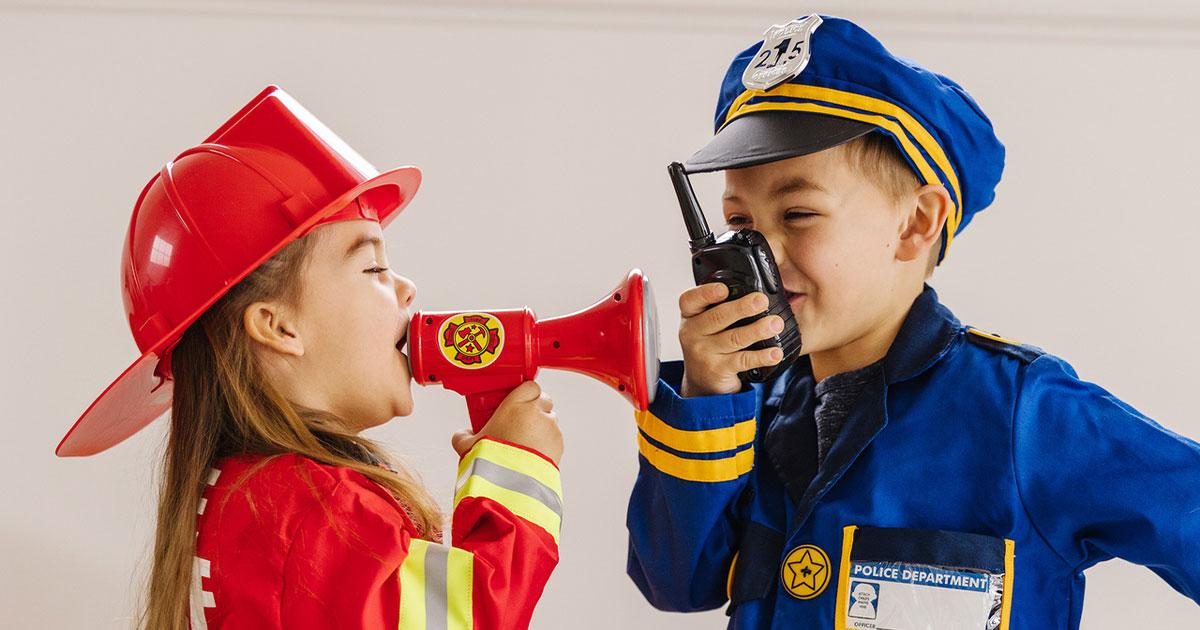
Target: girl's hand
<point>525,417</point>
<point>712,355</point>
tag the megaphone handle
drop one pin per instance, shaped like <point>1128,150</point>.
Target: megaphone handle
<point>481,406</point>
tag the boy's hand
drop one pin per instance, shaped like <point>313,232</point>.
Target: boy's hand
<point>713,356</point>
<point>525,417</point>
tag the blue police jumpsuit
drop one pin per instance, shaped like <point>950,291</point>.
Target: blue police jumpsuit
<point>967,441</point>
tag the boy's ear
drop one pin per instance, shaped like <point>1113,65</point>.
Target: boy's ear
<point>923,225</point>
<point>269,323</point>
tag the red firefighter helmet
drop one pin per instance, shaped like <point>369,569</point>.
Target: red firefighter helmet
<point>266,177</point>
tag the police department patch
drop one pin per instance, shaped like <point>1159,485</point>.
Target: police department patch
<point>805,572</point>
<point>783,55</point>
<point>472,340</point>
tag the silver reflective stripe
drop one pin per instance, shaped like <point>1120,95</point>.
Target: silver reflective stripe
<point>510,479</point>
<point>435,587</point>
<point>199,598</point>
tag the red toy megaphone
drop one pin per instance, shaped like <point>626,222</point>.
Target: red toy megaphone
<point>484,354</point>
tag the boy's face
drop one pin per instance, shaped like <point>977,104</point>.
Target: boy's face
<point>834,234</point>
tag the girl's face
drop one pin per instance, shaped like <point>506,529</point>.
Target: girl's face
<point>351,321</point>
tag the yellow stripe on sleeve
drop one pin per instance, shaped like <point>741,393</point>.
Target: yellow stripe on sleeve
<point>703,441</point>
<point>709,470</point>
<point>522,505</point>
<point>514,458</point>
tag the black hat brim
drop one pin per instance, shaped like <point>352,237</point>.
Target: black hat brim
<point>762,137</point>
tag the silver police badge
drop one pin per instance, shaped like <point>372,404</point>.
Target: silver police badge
<point>784,54</point>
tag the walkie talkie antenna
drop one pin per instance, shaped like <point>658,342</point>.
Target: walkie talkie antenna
<point>693,217</point>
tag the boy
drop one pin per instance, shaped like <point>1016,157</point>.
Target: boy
<point>907,471</point>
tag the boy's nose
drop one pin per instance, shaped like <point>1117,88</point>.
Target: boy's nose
<point>406,291</point>
<point>778,251</point>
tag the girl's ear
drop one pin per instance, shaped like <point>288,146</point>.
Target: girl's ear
<point>923,223</point>
<point>269,323</point>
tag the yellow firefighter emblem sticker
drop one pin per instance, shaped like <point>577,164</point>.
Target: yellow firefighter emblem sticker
<point>472,340</point>
<point>805,572</point>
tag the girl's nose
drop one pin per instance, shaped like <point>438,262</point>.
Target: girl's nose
<point>406,291</point>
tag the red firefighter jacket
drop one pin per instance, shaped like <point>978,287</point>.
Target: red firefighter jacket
<point>292,543</point>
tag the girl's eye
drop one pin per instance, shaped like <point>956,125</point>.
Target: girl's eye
<point>376,270</point>
<point>796,215</point>
<point>737,221</point>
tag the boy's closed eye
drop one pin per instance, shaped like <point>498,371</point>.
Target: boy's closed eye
<point>796,214</point>
<point>793,215</point>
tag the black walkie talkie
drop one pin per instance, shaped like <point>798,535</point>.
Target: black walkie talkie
<point>742,261</point>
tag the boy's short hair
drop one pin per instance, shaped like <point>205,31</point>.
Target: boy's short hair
<point>877,157</point>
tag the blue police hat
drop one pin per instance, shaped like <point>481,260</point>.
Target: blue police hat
<point>819,81</point>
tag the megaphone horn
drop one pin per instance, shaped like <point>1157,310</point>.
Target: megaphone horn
<point>484,354</point>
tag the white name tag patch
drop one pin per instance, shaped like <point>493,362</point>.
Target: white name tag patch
<point>898,596</point>
<point>900,578</point>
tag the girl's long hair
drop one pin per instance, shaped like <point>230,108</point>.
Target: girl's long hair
<point>224,405</point>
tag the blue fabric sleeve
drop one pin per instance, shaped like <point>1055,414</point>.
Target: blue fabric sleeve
<point>1100,480</point>
<point>695,457</point>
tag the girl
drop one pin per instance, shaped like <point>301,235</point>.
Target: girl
<point>259,293</point>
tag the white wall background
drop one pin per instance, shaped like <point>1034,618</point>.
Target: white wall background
<point>548,126</point>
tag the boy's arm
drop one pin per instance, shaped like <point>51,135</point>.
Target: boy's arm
<point>695,459</point>
<point>1100,480</point>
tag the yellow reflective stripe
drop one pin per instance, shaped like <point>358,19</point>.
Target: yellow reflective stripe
<point>519,504</point>
<point>870,104</point>
<point>515,458</point>
<point>460,579</point>
<point>436,588</point>
<point>710,470</point>
<point>1006,599</point>
<point>985,335</point>
<point>729,580</point>
<point>412,587</point>
<point>843,596</point>
<point>703,441</point>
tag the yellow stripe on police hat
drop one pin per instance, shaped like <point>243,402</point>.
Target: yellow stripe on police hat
<point>907,128</point>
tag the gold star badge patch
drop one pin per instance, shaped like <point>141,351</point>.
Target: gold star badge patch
<point>805,572</point>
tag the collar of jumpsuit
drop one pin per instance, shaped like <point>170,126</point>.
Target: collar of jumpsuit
<point>789,408</point>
